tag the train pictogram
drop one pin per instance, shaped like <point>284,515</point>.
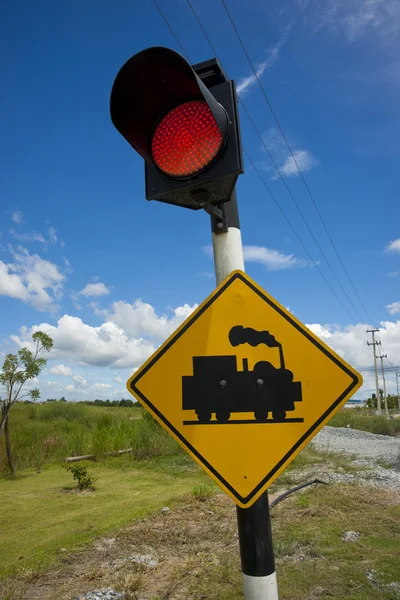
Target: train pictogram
<point>218,387</point>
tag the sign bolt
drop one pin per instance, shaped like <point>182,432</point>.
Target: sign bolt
<point>260,382</point>
<point>223,383</point>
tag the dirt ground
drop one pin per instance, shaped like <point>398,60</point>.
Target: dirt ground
<point>191,552</point>
<point>183,541</point>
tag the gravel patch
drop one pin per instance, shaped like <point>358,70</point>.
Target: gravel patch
<point>370,448</point>
<point>103,594</point>
<point>359,443</point>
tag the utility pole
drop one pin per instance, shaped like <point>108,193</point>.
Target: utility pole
<point>373,344</point>
<point>384,384</point>
<point>398,395</point>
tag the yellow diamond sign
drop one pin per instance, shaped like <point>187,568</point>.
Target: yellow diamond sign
<point>243,386</point>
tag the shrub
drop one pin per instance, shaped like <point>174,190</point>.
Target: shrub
<point>84,479</point>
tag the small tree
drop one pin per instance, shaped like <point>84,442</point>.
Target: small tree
<point>17,370</point>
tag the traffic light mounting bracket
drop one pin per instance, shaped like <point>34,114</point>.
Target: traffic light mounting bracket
<point>212,74</point>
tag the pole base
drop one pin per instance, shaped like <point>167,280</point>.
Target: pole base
<point>260,588</point>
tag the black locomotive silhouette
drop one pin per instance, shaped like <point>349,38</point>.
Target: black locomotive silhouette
<point>217,386</point>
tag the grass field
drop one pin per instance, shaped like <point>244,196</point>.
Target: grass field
<point>42,513</point>
<point>196,543</point>
<point>360,419</point>
<point>43,519</point>
<point>47,433</point>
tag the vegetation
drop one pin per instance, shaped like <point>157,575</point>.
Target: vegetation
<point>97,402</point>
<point>392,401</point>
<point>358,418</point>
<point>313,561</point>
<point>203,492</point>
<point>198,543</point>
<point>80,473</point>
<point>16,371</point>
<point>42,516</point>
<point>50,432</point>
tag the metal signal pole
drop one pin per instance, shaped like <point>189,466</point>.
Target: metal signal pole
<point>398,395</point>
<point>254,523</point>
<point>373,344</point>
<point>384,384</point>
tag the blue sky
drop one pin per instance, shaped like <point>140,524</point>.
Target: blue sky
<point>109,275</point>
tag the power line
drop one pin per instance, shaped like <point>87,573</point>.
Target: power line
<point>293,156</point>
<point>296,234</point>
<point>280,175</point>
<point>371,369</point>
<point>254,166</point>
<point>171,30</point>
<point>277,168</point>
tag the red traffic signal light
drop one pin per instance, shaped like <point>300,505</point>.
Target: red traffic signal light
<point>187,134</point>
<point>186,140</point>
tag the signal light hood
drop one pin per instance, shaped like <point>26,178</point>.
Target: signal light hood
<point>150,85</point>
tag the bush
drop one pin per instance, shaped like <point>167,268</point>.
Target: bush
<point>84,479</point>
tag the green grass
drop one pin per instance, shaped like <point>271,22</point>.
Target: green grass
<point>48,433</point>
<point>357,419</point>
<point>42,513</point>
<point>312,560</point>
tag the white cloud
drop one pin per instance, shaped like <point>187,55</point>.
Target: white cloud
<point>11,285</point>
<point>52,235</point>
<point>61,370</point>
<point>282,157</point>
<point>17,217</point>
<point>33,236</point>
<point>272,57</point>
<point>70,387</point>
<point>305,162</point>
<point>102,387</point>
<point>126,339</point>
<point>118,379</point>
<point>394,274</point>
<point>99,312</point>
<point>107,345</point>
<point>355,19</point>
<point>140,319</point>
<point>79,380</point>
<point>274,260</point>
<point>393,246</point>
<point>351,341</point>
<point>31,279</point>
<point>94,289</point>
<point>393,308</point>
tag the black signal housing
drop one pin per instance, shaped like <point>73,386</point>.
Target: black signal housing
<point>149,87</point>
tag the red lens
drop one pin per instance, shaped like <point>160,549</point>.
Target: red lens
<point>186,140</point>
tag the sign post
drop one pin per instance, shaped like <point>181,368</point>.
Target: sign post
<point>242,385</point>
<point>254,523</point>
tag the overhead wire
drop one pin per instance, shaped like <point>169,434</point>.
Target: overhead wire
<point>257,170</point>
<point>294,158</point>
<point>283,180</point>
<point>297,235</point>
<point>171,30</point>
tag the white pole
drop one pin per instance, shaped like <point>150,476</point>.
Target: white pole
<point>254,523</point>
<point>373,344</point>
